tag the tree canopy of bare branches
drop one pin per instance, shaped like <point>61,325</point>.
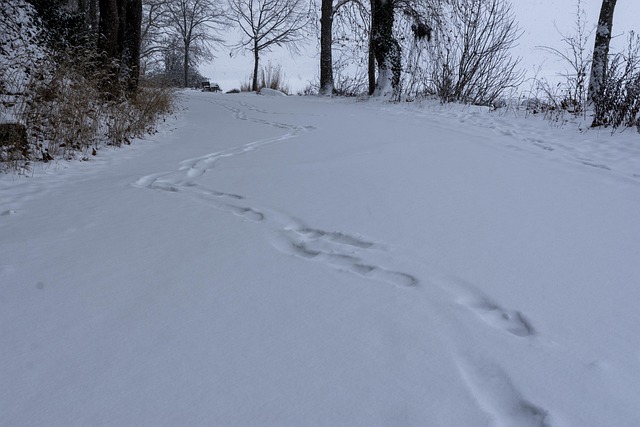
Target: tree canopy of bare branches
<point>153,32</point>
<point>197,25</point>
<point>268,23</point>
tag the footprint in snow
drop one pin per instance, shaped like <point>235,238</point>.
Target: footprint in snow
<point>596,165</point>
<point>336,237</point>
<point>511,321</point>
<point>341,251</point>
<point>248,213</point>
<point>496,394</point>
<point>226,195</point>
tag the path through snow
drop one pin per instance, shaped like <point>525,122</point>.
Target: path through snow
<point>149,291</point>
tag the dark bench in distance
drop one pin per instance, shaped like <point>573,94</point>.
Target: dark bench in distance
<point>208,87</point>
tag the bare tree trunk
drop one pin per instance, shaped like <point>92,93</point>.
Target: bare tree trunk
<point>119,42</point>
<point>122,26</point>
<point>92,19</point>
<point>371,68</point>
<point>326,41</point>
<point>256,58</point>
<point>385,47</point>
<point>186,64</point>
<point>108,43</point>
<point>132,40</point>
<point>601,51</point>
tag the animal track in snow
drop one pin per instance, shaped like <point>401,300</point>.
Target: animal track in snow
<point>511,321</point>
<point>241,115</point>
<point>595,165</point>
<point>341,251</point>
<point>489,311</point>
<point>226,195</point>
<point>248,213</point>
<point>335,237</point>
<point>496,395</point>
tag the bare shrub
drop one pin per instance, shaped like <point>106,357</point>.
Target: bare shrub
<point>350,85</point>
<point>66,115</point>
<point>245,86</point>
<point>619,105</point>
<point>133,118</point>
<point>571,93</point>
<point>57,103</point>
<point>15,152</point>
<point>62,110</point>
<point>271,77</point>
<point>351,53</point>
<point>470,59</point>
<point>151,103</point>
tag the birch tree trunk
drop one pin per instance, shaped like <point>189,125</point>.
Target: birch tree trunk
<point>601,51</point>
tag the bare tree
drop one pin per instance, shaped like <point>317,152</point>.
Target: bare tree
<point>368,28</point>
<point>345,27</point>
<point>153,33</point>
<point>269,23</point>
<point>601,50</point>
<point>197,23</point>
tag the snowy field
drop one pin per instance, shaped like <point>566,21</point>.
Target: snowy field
<point>289,261</point>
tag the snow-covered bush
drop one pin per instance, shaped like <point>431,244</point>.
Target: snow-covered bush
<point>21,52</point>
<point>69,115</point>
<point>469,60</point>
<point>62,109</point>
<point>56,99</point>
<point>21,57</point>
<point>619,105</point>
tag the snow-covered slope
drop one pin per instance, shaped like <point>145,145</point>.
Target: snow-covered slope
<point>311,262</point>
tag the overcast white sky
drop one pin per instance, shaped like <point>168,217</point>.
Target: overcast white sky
<point>536,18</point>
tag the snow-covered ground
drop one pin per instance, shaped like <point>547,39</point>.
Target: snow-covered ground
<point>289,261</point>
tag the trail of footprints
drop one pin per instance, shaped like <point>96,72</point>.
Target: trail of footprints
<point>356,255</point>
<point>338,250</point>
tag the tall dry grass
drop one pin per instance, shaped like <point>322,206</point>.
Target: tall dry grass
<point>67,116</point>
